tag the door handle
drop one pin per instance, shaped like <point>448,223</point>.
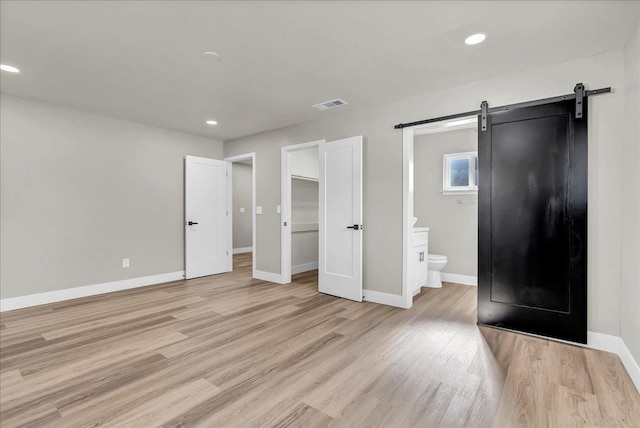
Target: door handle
<point>355,227</point>
<point>191,223</point>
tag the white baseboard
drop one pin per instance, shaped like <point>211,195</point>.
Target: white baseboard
<point>20,302</point>
<point>243,250</point>
<point>383,298</point>
<point>306,267</point>
<point>602,342</point>
<point>630,364</point>
<point>268,276</point>
<point>615,345</point>
<point>459,279</point>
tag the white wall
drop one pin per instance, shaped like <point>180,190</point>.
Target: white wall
<point>382,233</point>
<point>305,163</point>
<point>630,261</point>
<point>452,219</point>
<point>80,192</point>
<point>242,184</point>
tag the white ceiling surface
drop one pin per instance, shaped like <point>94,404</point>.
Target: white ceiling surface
<point>142,60</point>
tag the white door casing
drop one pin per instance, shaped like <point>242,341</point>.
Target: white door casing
<point>205,206</point>
<point>340,219</point>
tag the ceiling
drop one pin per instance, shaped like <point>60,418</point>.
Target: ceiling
<point>142,60</point>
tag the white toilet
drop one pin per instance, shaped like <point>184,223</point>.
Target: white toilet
<point>435,263</point>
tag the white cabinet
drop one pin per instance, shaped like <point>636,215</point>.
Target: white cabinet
<point>418,259</point>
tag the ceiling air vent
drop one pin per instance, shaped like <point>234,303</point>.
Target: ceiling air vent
<point>328,105</point>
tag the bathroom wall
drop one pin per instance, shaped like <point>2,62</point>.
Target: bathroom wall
<point>242,198</point>
<point>452,219</point>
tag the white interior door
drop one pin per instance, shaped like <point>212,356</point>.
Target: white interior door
<point>205,217</point>
<point>340,221</point>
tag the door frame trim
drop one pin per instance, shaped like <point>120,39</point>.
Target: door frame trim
<point>285,205</point>
<point>408,133</point>
<point>231,160</point>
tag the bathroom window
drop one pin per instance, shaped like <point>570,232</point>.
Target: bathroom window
<point>460,173</point>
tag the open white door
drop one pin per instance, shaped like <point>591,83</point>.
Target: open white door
<point>205,195</point>
<point>340,226</point>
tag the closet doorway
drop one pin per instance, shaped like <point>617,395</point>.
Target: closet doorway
<point>322,214</point>
<point>300,208</point>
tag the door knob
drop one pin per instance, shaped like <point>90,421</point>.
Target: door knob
<point>354,227</point>
<point>191,223</point>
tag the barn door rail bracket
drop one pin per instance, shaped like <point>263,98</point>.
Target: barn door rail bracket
<point>579,91</point>
<point>579,94</point>
<point>484,111</point>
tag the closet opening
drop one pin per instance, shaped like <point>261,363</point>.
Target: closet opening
<point>300,210</point>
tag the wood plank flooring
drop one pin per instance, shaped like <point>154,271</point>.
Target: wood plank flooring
<point>230,351</point>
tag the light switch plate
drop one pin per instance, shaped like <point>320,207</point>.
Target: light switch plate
<point>125,263</point>
<point>241,210</point>
<point>258,210</point>
<point>277,209</point>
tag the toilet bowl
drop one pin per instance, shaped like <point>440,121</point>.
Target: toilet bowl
<point>435,263</point>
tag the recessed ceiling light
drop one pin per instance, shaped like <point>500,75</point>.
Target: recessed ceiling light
<point>10,69</point>
<point>211,56</point>
<point>211,122</point>
<point>474,39</point>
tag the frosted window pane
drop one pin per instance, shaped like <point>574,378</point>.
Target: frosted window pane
<point>459,172</point>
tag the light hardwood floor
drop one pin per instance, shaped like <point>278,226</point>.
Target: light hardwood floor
<point>235,352</point>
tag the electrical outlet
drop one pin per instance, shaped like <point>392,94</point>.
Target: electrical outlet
<point>241,210</point>
<point>258,210</point>
<point>125,263</point>
<point>278,209</point>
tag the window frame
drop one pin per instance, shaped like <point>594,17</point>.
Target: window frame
<point>447,189</point>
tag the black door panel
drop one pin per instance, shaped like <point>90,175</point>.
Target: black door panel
<point>532,221</point>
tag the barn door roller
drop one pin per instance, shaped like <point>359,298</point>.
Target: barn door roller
<point>579,94</point>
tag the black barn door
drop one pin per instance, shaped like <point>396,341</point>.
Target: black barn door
<point>532,221</point>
